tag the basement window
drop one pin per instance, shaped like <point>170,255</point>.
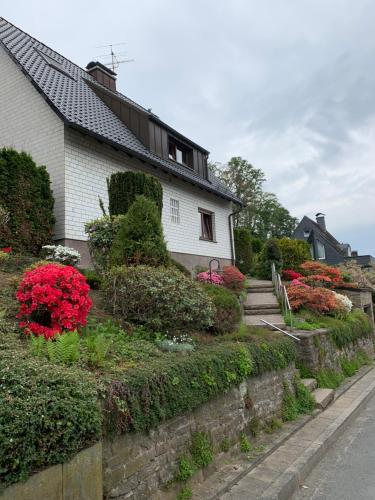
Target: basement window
<point>180,153</point>
<point>207,225</point>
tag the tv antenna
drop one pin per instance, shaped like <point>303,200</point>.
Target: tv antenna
<point>114,62</point>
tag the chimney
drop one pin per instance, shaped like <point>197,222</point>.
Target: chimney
<point>321,221</point>
<point>102,74</point>
<point>354,253</point>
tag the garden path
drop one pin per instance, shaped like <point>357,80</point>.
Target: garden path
<point>261,303</point>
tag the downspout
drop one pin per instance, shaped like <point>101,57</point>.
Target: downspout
<point>230,218</point>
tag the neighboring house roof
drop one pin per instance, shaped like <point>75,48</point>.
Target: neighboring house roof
<point>65,87</point>
<point>319,231</point>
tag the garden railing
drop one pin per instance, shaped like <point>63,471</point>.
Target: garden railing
<point>281,294</point>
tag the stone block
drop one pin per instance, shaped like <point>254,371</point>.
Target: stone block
<point>45,484</point>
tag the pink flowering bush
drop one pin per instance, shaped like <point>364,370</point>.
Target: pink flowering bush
<point>213,278</point>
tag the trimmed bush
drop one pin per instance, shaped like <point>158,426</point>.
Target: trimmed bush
<point>293,252</point>
<point>162,299</point>
<point>26,199</point>
<point>243,249</point>
<point>227,306</point>
<point>124,187</point>
<point>140,239</point>
<point>269,254</point>
<point>48,413</point>
<point>101,233</point>
<point>233,279</point>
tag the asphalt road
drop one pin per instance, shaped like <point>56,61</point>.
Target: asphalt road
<point>347,472</point>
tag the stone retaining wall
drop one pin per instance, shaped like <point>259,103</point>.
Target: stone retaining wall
<point>361,298</point>
<point>136,466</point>
<point>317,351</point>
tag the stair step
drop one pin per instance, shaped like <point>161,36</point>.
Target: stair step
<point>263,289</point>
<point>251,305</point>
<point>254,320</point>
<point>309,383</point>
<point>323,397</point>
<point>262,311</point>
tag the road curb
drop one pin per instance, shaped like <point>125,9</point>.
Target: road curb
<point>287,483</point>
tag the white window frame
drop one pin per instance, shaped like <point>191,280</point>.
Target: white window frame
<point>174,206</point>
<point>320,246</point>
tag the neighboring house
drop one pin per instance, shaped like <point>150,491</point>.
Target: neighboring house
<point>77,124</point>
<point>324,246</point>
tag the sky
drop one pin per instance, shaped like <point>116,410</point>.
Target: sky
<point>287,84</point>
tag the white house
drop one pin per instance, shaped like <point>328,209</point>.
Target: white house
<point>75,122</point>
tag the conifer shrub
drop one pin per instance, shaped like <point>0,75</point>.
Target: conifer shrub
<point>159,298</point>
<point>140,239</point>
<point>227,309</point>
<point>243,249</point>
<point>124,187</point>
<point>270,254</point>
<point>27,202</point>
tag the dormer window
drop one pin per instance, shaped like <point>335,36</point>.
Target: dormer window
<point>180,153</point>
<point>306,233</point>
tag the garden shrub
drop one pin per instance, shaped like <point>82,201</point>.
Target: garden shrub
<point>150,393</point>
<point>180,267</point>
<point>210,277</point>
<point>243,249</point>
<point>293,252</point>
<point>101,233</point>
<point>93,279</point>
<point>269,254</point>
<point>124,187</point>
<point>256,244</point>
<point>64,255</point>
<point>53,298</point>
<point>140,239</point>
<point>269,356</point>
<point>161,299</point>
<point>233,279</point>
<point>227,309</point>
<point>26,199</point>
<point>319,300</point>
<point>48,413</point>
<point>290,275</point>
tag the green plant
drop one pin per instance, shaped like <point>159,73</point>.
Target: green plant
<point>293,252</point>
<point>97,347</point>
<point>272,425</point>
<point>243,249</point>
<point>63,348</point>
<point>124,187</point>
<point>185,493</point>
<point>27,199</point>
<point>304,398</point>
<point>350,367</point>
<point>140,239</point>
<point>94,280</point>
<point>328,378</point>
<point>256,245</point>
<point>186,469</point>
<point>161,299</point>
<point>48,412</point>
<point>227,309</point>
<point>4,258</point>
<point>255,426</point>
<point>269,255</point>
<point>245,446</point>
<point>225,445</point>
<point>201,449</point>
<point>290,408</point>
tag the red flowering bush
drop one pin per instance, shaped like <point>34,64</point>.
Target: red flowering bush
<point>290,275</point>
<point>6,249</point>
<point>319,300</point>
<point>53,299</point>
<point>207,277</point>
<point>233,279</point>
<point>313,267</point>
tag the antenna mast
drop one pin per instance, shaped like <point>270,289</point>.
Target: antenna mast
<point>114,62</point>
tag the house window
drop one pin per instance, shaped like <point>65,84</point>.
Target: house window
<point>207,225</point>
<point>321,250</point>
<point>180,153</point>
<point>175,211</point>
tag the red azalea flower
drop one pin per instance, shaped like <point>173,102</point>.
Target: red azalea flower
<point>6,249</point>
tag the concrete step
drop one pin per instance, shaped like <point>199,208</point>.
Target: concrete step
<point>309,383</point>
<point>263,289</point>
<point>250,306</point>
<point>254,320</point>
<point>262,311</point>
<point>323,397</point>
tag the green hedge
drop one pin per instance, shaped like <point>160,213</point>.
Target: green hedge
<point>227,309</point>
<point>355,326</point>
<point>26,197</point>
<point>243,249</point>
<point>124,187</point>
<point>47,412</point>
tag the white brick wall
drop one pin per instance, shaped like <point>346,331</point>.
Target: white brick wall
<point>28,124</point>
<point>87,165</point>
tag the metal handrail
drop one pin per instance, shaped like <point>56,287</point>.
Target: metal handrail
<point>281,293</point>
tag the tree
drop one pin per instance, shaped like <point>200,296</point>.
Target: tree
<point>140,239</point>
<point>243,249</point>
<point>263,213</point>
